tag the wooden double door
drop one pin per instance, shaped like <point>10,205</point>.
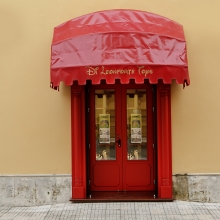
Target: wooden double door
<point>121,155</point>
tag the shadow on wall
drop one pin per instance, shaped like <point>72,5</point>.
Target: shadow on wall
<point>65,91</point>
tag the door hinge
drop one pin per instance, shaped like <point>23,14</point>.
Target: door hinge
<point>88,109</point>
<point>153,146</point>
<point>153,109</point>
<point>89,182</point>
<point>89,146</point>
<point>154,181</point>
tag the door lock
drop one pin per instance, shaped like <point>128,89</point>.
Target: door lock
<point>118,141</point>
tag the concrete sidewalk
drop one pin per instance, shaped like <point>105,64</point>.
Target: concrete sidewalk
<point>128,211</point>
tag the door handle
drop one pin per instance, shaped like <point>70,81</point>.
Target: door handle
<point>118,141</point>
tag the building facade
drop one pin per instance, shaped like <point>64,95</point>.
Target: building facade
<point>150,133</point>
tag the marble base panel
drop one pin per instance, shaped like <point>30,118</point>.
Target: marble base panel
<point>34,190</point>
<point>197,187</point>
<point>31,190</point>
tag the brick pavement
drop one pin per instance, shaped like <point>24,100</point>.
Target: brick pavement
<point>115,211</point>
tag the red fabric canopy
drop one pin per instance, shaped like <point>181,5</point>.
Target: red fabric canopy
<point>119,44</point>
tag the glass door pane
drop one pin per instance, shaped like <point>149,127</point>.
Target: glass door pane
<point>105,124</point>
<point>136,124</point>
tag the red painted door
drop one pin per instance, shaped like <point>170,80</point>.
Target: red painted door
<point>121,138</point>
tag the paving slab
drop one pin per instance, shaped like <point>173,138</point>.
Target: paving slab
<point>177,210</point>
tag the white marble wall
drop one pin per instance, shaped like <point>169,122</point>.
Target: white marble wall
<point>28,190</point>
<point>197,187</point>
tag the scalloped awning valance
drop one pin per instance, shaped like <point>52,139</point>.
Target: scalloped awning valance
<point>118,44</point>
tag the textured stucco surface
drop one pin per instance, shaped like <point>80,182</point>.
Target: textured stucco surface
<point>36,120</point>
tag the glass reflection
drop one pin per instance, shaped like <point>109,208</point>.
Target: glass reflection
<point>105,124</point>
<point>136,124</point>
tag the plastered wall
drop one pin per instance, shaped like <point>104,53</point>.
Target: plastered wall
<point>35,135</point>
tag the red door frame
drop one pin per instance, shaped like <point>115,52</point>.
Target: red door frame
<point>78,141</point>
<point>164,142</point>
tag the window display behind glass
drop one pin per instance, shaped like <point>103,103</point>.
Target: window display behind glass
<point>105,124</point>
<point>136,124</point>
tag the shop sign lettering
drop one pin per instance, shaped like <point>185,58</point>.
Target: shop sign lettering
<point>141,70</point>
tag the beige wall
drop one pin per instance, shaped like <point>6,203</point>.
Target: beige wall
<point>35,120</point>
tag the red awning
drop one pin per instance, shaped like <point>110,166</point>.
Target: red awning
<point>119,44</point>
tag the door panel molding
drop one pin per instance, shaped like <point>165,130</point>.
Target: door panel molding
<point>133,172</point>
<point>101,172</point>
